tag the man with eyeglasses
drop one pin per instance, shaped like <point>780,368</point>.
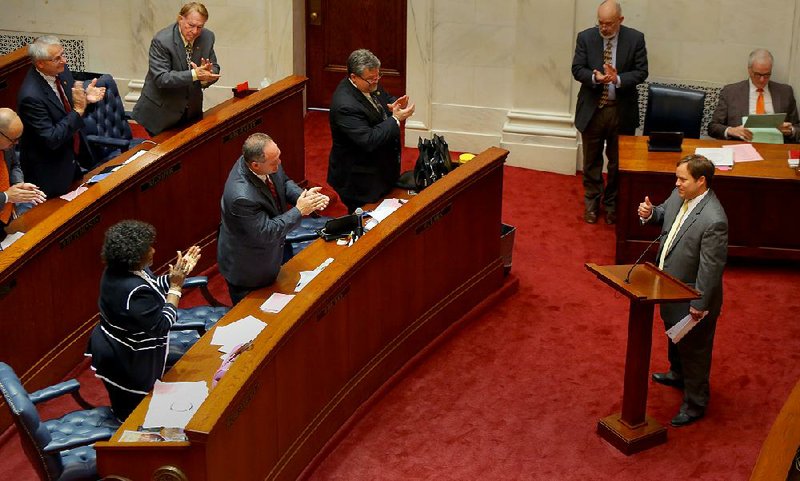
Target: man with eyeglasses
<point>182,64</point>
<point>52,104</point>
<point>364,162</point>
<point>14,192</point>
<point>610,61</point>
<point>756,95</point>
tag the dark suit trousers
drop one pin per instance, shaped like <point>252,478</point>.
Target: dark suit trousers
<point>691,358</point>
<point>601,131</point>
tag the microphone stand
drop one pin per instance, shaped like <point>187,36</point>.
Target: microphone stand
<point>628,277</point>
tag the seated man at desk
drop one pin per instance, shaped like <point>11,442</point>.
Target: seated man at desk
<point>255,220</point>
<point>182,64</point>
<point>51,105</point>
<point>13,191</point>
<point>756,95</point>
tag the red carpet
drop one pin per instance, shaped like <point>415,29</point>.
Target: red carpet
<point>517,393</point>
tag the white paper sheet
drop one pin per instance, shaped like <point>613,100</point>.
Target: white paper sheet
<point>10,239</point>
<point>174,403</point>
<point>69,196</point>
<point>719,157</point>
<point>386,208</point>
<point>680,329</point>
<point>308,276</point>
<point>238,332</point>
<point>134,157</point>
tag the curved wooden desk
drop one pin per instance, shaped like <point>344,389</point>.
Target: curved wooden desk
<point>779,453</point>
<point>754,194</point>
<point>49,278</point>
<point>378,304</point>
<point>13,68</point>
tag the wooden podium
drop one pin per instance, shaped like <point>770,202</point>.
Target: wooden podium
<point>633,430</point>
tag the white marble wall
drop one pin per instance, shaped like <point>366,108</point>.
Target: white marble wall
<point>482,72</point>
<point>254,39</point>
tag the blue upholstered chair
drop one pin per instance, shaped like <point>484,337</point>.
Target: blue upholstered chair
<point>106,125</point>
<point>60,449</point>
<point>194,321</point>
<point>674,109</point>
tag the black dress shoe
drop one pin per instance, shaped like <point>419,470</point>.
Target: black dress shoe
<point>611,218</point>
<point>668,378</point>
<point>590,217</point>
<point>684,419</point>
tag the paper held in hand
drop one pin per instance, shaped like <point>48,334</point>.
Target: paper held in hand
<point>682,328</point>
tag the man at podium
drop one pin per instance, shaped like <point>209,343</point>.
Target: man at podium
<point>694,249</point>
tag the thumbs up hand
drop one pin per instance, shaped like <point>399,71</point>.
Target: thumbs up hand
<point>645,208</point>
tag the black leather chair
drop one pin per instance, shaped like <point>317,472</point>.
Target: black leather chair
<point>60,449</point>
<point>106,125</point>
<point>674,109</point>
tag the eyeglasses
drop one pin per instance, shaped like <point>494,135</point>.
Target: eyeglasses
<point>373,81</point>
<point>13,141</point>
<point>762,75</point>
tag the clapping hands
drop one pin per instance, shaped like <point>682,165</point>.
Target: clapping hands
<point>184,264</point>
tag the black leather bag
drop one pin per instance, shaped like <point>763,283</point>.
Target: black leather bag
<point>433,163</point>
<point>340,227</point>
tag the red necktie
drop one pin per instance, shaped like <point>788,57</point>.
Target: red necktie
<point>76,140</point>
<point>274,192</point>
<point>5,182</point>
<point>760,102</point>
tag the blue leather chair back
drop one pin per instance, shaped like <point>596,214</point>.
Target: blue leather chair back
<point>674,109</point>
<point>33,432</point>
<point>107,120</point>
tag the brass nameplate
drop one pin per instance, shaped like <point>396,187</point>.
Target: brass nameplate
<point>72,236</point>
<point>242,405</point>
<point>159,177</point>
<point>240,130</point>
<point>433,219</point>
<point>334,300</point>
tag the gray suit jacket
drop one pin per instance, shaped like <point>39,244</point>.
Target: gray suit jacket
<point>14,171</point>
<point>698,252</point>
<point>168,88</point>
<point>734,103</point>
<point>254,227</point>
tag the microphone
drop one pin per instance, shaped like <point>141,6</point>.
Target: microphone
<point>628,277</point>
<point>359,212</point>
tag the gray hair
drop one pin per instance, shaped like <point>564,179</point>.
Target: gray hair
<point>760,55</point>
<point>40,48</point>
<point>616,4</point>
<point>253,148</point>
<point>360,60</point>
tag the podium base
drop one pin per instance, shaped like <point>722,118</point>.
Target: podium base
<point>630,441</point>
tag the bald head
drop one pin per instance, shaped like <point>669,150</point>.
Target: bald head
<point>10,127</point>
<point>609,18</point>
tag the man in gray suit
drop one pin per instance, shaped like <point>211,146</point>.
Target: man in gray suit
<point>694,249</point>
<point>182,64</point>
<point>255,219</point>
<point>757,95</point>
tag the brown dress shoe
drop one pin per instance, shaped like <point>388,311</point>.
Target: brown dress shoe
<point>590,217</point>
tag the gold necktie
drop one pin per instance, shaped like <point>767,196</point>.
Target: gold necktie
<point>606,60</point>
<point>672,232</point>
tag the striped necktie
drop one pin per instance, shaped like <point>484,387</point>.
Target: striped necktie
<point>606,60</point>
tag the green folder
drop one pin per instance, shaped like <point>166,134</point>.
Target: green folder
<point>765,127</point>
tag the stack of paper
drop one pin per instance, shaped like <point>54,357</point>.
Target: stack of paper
<point>765,127</point>
<point>682,328</point>
<point>174,404</point>
<point>276,302</point>
<point>239,332</point>
<point>794,158</point>
<point>720,157</point>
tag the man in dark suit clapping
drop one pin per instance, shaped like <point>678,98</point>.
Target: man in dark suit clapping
<point>610,61</point>
<point>364,162</point>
